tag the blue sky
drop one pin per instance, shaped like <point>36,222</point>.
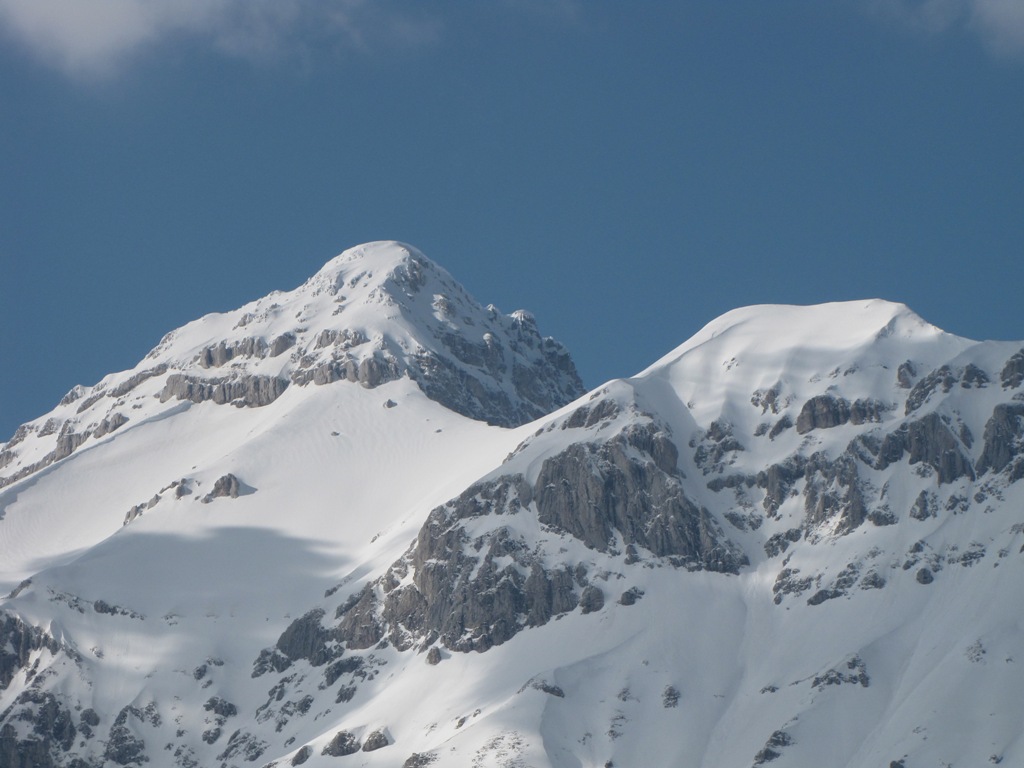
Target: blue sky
<point>627,171</point>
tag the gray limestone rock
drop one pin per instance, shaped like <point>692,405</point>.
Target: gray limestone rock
<point>245,391</point>
<point>931,441</point>
<point>822,412</point>
<point>595,490</point>
<point>376,740</point>
<point>109,424</point>
<point>306,638</point>
<point>18,641</point>
<point>1003,440</point>
<point>343,743</point>
<point>1012,374</point>
<point>943,378</point>
<point>770,751</point>
<point>124,747</point>
<point>591,599</point>
<point>226,486</point>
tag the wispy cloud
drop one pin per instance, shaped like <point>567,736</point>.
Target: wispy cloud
<point>93,38</point>
<point>999,23</point>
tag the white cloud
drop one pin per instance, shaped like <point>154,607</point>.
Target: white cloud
<point>90,38</point>
<point>999,23</point>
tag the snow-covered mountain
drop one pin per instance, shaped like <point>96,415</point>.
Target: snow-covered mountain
<point>370,522</point>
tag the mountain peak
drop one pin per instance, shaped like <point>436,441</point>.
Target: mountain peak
<point>375,314</point>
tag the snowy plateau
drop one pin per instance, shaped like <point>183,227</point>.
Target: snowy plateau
<point>370,522</point>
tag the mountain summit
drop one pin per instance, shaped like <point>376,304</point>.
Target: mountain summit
<point>795,539</point>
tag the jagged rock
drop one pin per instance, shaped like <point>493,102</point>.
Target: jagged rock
<point>826,411</point>
<point>346,666</point>
<point>1013,372</point>
<point>249,391</point>
<point>630,596</point>
<point>306,638</point>
<point>834,488</point>
<point>245,745</point>
<point>943,378</point>
<point>222,353</point>
<point>587,416</point>
<point>906,374</point>
<point>132,382</point>
<point>779,542</point>
<point>822,412</point>
<point>68,442</point>
<point>123,746</point>
<point>592,599</point>
<point>419,760</point>
<point>788,583</point>
<point>924,576</point>
<point>343,743</point>
<point>434,656</point>
<point>779,427</point>
<point>973,377</point>
<point>770,751</point>
<point>18,641</point>
<point>931,441</point>
<point>777,482</point>
<point>302,755</point>
<point>855,672</point>
<point>220,707</point>
<point>715,447</point>
<point>23,753</point>
<point>670,697</point>
<point>924,506</point>
<point>282,344</point>
<point>226,486</point>
<point>594,490</point>
<point>1003,440</point>
<point>376,740</point>
<point>109,424</point>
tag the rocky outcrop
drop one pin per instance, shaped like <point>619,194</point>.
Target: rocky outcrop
<point>931,441</point>
<point>226,486</point>
<point>596,490</point>
<point>827,411</point>
<point>343,743</point>
<point>370,372</point>
<point>224,352</point>
<point>109,424</point>
<point>18,641</point>
<point>1003,441</point>
<point>376,740</point>
<point>1012,374</point>
<point>473,591</point>
<point>247,391</point>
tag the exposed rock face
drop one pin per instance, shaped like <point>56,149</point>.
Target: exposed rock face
<point>594,490</point>
<point>247,391</point>
<point>1003,440</point>
<point>931,441</point>
<point>226,486</point>
<point>826,411</point>
<point>376,740</point>
<point>1012,374</point>
<point>471,592</point>
<point>306,638</point>
<point>343,743</point>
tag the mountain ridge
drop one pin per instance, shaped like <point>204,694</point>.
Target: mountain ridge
<point>792,539</point>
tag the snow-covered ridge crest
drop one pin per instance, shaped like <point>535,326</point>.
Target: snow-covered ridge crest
<point>376,313</point>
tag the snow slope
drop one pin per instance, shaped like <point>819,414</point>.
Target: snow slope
<point>794,539</point>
